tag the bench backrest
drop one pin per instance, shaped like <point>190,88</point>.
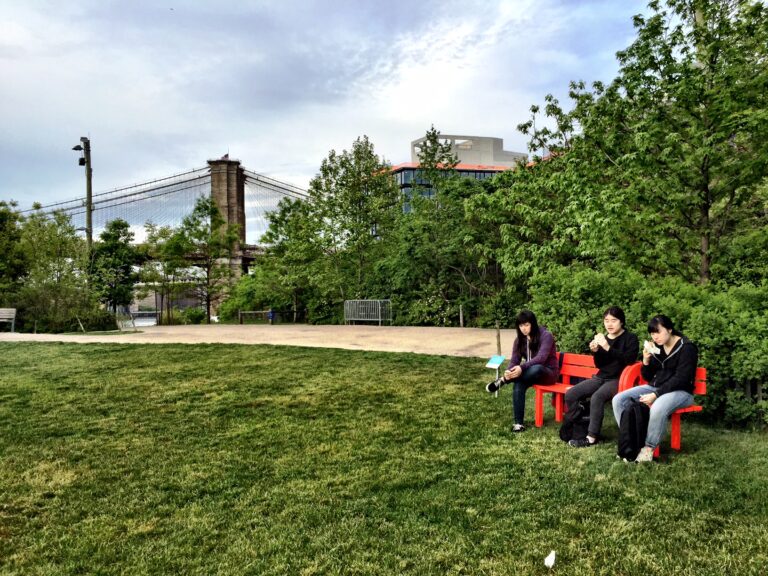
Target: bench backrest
<point>576,365</point>
<point>700,381</point>
<point>632,377</point>
<point>7,313</point>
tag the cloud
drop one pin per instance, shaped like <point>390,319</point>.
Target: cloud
<point>162,87</point>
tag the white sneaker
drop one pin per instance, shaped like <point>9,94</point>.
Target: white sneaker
<point>645,455</point>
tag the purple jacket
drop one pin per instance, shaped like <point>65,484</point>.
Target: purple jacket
<point>546,356</point>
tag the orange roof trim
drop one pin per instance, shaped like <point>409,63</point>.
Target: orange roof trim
<point>480,167</point>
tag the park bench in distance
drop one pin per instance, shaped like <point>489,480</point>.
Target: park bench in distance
<point>8,315</point>
<point>631,377</point>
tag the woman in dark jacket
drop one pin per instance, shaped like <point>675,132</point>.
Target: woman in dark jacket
<point>533,361</point>
<point>614,351</point>
<point>669,366</point>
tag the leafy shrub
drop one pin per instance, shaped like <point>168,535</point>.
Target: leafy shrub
<point>324,311</point>
<point>502,308</point>
<point>259,290</point>
<point>430,308</point>
<point>739,410</point>
<point>193,316</point>
<point>171,319</point>
<point>99,320</point>
<point>570,301</point>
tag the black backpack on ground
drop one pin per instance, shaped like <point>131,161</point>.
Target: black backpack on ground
<point>632,430</point>
<point>575,422</point>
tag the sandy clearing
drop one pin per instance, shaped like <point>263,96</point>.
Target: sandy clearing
<point>473,342</point>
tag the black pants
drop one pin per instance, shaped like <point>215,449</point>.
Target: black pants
<point>536,374</point>
<point>601,391</point>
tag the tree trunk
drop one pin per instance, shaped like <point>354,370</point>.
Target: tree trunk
<point>700,23</point>
<point>704,272</point>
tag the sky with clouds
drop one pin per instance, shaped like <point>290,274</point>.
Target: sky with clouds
<point>162,86</point>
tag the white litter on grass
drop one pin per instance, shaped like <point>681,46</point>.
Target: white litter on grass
<point>549,561</point>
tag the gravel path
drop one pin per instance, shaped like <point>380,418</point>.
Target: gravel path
<point>473,342</point>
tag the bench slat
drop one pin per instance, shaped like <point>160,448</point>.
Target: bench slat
<point>580,371</point>
<point>570,359</point>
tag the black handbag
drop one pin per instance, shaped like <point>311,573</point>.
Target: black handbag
<point>575,422</point>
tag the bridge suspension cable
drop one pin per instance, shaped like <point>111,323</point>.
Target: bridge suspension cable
<point>262,195</point>
<point>183,176</point>
<point>166,201</point>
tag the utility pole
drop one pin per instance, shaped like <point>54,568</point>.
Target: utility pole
<point>85,160</point>
<point>88,193</point>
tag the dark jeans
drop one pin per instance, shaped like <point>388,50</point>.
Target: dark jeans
<point>600,391</point>
<point>536,374</point>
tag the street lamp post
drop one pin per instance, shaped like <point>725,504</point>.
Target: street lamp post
<point>85,160</point>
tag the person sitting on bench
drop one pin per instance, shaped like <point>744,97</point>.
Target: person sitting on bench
<point>669,367</point>
<point>533,361</point>
<point>613,351</point>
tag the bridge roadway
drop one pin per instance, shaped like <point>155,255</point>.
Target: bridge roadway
<point>472,342</point>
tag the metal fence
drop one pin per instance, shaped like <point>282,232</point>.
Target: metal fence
<point>271,316</point>
<point>367,311</point>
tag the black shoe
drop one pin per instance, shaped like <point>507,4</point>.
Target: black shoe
<point>518,428</point>
<point>495,385</point>
<point>581,443</point>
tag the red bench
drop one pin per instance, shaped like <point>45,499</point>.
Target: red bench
<point>572,365</point>
<point>631,377</point>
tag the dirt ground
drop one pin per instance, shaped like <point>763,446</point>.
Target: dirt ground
<point>473,342</point>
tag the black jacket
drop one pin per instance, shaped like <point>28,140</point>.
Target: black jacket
<point>675,371</point>
<point>622,352</point>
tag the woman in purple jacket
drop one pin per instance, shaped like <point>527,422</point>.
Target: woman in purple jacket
<point>533,361</point>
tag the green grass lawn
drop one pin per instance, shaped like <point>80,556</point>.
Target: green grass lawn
<point>224,459</point>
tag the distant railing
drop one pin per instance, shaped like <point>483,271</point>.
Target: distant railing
<point>367,311</point>
<point>270,316</point>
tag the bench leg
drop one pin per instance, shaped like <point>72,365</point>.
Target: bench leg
<point>675,436</point>
<point>559,408</point>
<point>676,432</point>
<point>539,419</point>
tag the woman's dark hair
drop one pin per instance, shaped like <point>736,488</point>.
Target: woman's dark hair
<point>660,321</point>
<point>525,317</point>
<point>617,313</point>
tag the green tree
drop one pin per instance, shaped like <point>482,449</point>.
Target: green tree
<point>663,162</point>
<point>13,263</point>
<point>354,201</point>
<point>114,257</point>
<point>56,287</point>
<point>444,254</point>
<point>207,243</point>
<point>163,267</point>
<point>436,159</point>
<point>287,271</point>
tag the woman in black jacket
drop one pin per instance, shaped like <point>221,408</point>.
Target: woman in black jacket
<point>669,367</point>
<point>614,351</point>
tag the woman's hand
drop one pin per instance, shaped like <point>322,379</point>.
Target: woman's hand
<point>648,399</point>
<point>514,372</point>
<point>594,346</point>
<point>646,357</point>
<point>601,341</point>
